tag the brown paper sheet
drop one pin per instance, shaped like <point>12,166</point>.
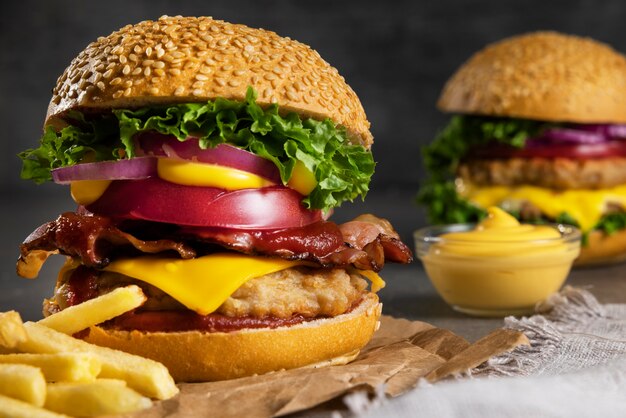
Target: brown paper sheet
<point>401,353</point>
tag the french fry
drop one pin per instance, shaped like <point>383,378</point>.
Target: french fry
<point>147,377</point>
<point>23,382</point>
<point>11,329</point>
<point>101,397</point>
<point>95,311</point>
<point>12,408</point>
<point>71,367</point>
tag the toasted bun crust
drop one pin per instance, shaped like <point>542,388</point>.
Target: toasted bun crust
<point>544,76</point>
<point>201,356</point>
<point>603,249</point>
<point>189,59</point>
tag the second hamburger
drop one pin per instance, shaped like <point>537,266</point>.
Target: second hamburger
<point>539,131</point>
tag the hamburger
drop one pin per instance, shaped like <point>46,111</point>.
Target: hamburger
<point>205,159</point>
<point>538,130</point>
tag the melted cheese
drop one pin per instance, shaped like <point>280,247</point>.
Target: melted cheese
<point>302,179</point>
<point>190,173</point>
<point>585,206</point>
<point>377,281</point>
<point>85,192</point>
<point>201,284</point>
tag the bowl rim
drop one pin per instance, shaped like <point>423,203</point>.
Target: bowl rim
<point>432,234</point>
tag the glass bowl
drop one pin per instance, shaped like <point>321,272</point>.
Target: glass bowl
<point>496,278</point>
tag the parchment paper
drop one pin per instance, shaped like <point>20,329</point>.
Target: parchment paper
<point>400,353</point>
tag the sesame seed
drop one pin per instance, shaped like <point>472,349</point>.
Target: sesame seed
<point>136,71</point>
<point>160,52</point>
<point>127,92</point>
<point>126,69</point>
<point>115,81</point>
<point>148,51</point>
<point>147,71</point>
<point>220,82</point>
<point>133,57</point>
<point>179,90</point>
<point>174,72</point>
<point>293,96</point>
<point>269,77</point>
<point>127,83</point>
<point>201,77</point>
<point>154,90</point>
<point>234,83</point>
<point>108,73</point>
<point>198,84</point>
<point>197,92</point>
<point>160,72</point>
<point>100,85</point>
<point>147,63</point>
<point>239,72</point>
<point>137,49</point>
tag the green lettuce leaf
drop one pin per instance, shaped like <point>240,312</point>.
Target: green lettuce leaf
<point>343,170</point>
<point>612,222</point>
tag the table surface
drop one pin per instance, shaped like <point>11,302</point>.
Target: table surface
<point>408,294</point>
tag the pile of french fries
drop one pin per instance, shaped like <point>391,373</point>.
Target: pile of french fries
<point>45,372</point>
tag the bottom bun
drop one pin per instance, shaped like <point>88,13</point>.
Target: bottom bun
<point>603,249</point>
<point>195,356</point>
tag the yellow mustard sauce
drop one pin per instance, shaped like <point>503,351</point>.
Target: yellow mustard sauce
<point>501,266</point>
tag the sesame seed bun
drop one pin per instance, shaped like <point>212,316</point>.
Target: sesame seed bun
<point>544,76</point>
<point>189,59</point>
<point>195,356</point>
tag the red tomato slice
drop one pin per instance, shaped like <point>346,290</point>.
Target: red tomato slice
<point>157,200</point>
<point>615,148</point>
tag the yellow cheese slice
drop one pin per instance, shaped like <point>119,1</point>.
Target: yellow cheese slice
<point>377,281</point>
<point>585,206</point>
<point>190,173</point>
<point>85,192</point>
<point>302,179</point>
<point>201,284</point>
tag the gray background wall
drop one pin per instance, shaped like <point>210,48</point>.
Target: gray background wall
<point>395,54</point>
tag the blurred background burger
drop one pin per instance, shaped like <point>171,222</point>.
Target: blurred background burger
<point>539,130</point>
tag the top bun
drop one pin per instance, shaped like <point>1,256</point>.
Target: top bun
<point>189,59</point>
<point>543,75</point>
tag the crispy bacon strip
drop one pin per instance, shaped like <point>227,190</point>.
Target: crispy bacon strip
<point>365,243</point>
<point>93,239</point>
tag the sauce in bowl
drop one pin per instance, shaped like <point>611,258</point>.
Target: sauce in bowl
<point>498,267</point>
